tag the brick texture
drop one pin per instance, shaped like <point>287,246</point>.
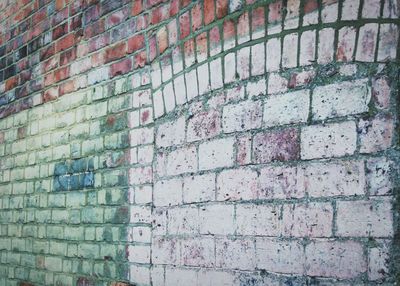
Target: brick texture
<point>215,142</point>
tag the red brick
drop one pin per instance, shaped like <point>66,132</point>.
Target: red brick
<point>184,21</point>
<point>152,48</point>
<point>184,3</point>
<point>115,52</point>
<point>135,43</point>
<point>222,8</point>
<point>209,13</point>
<point>310,5</point>
<point>65,43</point>
<point>196,17</point>
<point>61,73</point>
<point>137,7</point>
<point>159,14</point>
<point>50,94</point>
<point>94,29</point>
<point>11,83</point>
<point>140,59</point>
<point>121,67</point>
<point>60,31</point>
<point>275,12</point>
<point>229,29</point>
<point>67,57</point>
<point>215,37</point>
<point>174,7</point>
<point>257,19</point>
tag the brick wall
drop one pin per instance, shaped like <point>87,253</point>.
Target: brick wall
<point>215,142</point>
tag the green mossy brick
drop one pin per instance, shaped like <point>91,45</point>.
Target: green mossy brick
<point>75,216</point>
<point>88,250</point>
<point>92,215</point>
<point>56,200</point>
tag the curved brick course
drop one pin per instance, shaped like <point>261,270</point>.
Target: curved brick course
<point>215,142</point>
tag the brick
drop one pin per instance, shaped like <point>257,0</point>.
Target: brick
<point>209,14</point>
<point>115,52</point>
<point>242,116</point>
<point>183,220</point>
<point>340,178</point>
<point>307,48</point>
<point>289,53</point>
<point>243,155</point>
<point>378,258</point>
<point>257,59</point>
<point>281,182</point>
<point>216,154</point>
<point>199,188</point>
<point>121,67</point>
<point>376,134</point>
<point>337,259</point>
<point>164,250</point>
<point>287,108</point>
<point>341,99</point>
<point>346,44</point>
<point>379,172</point>
<point>237,184</point>
<point>243,62</point>
<point>366,44</point>
<point>236,254</point>
<point>216,78</point>
<point>171,133</point>
<point>307,220</point>
<point>350,10</point>
<point>381,92</point>
<point>203,125</point>
<point>167,192</point>
<point>135,43</point>
<point>279,255</point>
<point>229,63</point>
<point>279,145</point>
<point>276,83</point>
<point>325,45</point>
<point>329,140</point>
<point>388,38</point>
<point>176,276</point>
<point>376,219</point>
<point>258,220</point>
<point>198,252</point>
<point>371,9</point>
<point>182,160</point>
<point>217,219</point>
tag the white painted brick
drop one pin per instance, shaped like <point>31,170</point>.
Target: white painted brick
<point>280,256</point>
<point>337,178</point>
<point>191,84</point>
<point>158,104</point>
<point>216,154</point>
<point>339,259</point>
<point>237,184</point>
<point>168,192</point>
<point>235,254</point>
<point>292,107</point>
<point>198,252</point>
<point>98,75</point>
<point>183,160</point>
<point>289,56</point>
<point>243,62</point>
<point>171,133</point>
<point>379,172</point>
<point>230,68</point>
<point>329,13</point>
<point>180,90</point>
<point>139,253</point>
<point>204,84</point>
<point>281,182</point>
<point>242,116</point>
<point>273,58</point>
<point>217,219</point>
<point>376,134</point>
<point>276,83</point>
<point>165,250</point>
<point>307,220</point>
<point>350,9</point>
<point>341,99</point>
<point>203,125</point>
<point>307,48</point>
<point>141,136</point>
<point>199,188</point>
<point>255,88</point>
<point>183,220</point>
<point>216,74</point>
<point>258,220</point>
<point>210,277</point>
<point>257,59</point>
<point>388,39</point>
<point>176,276</point>
<point>365,218</point>
<point>366,44</point>
<point>329,140</point>
<point>379,260</point>
<point>371,9</point>
<point>169,97</point>
<point>325,45</point>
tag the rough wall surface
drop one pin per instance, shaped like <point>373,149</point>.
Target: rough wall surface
<point>215,142</point>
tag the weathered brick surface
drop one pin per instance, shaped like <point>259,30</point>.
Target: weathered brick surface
<point>215,142</point>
